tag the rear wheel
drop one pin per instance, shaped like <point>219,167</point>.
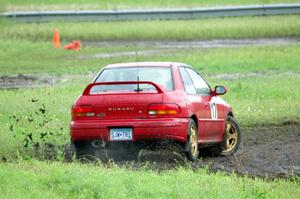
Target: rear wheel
<point>192,150</point>
<point>83,150</point>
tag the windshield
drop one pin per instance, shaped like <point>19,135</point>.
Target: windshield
<point>159,75</point>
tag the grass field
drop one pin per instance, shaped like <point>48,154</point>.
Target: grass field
<point>41,57</point>
<point>58,180</point>
<point>239,27</point>
<point>15,5</point>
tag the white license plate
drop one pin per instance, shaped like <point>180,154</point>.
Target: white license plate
<point>120,134</point>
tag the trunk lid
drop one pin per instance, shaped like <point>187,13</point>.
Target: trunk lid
<point>121,100</point>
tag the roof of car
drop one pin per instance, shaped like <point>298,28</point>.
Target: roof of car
<point>141,64</point>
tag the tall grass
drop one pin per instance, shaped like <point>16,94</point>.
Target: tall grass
<point>240,27</point>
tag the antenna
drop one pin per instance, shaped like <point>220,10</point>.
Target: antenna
<point>136,57</point>
<point>138,89</point>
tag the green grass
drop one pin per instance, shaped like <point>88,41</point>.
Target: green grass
<point>265,100</point>
<point>41,57</point>
<point>15,5</point>
<point>58,180</point>
<point>239,27</point>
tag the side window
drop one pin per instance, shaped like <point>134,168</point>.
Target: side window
<point>201,86</point>
<point>187,81</point>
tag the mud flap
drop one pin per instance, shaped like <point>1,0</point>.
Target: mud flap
<point>187,146</point>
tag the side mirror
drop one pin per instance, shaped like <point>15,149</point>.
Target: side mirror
<point>219,90</point>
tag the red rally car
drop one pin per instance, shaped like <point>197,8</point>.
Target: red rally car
<point>130,102</point>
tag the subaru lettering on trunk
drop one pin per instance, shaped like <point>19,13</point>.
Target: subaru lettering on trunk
<point>121,109</point>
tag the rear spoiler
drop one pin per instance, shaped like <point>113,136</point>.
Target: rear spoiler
<point>88,88</point>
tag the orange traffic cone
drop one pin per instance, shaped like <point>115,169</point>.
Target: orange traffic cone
<point>56,39</point>
<point>75,45</point>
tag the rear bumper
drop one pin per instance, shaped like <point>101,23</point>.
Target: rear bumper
<point>158,128</point>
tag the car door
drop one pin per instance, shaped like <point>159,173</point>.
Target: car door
<point>211,107</point>
<point>196,104</point>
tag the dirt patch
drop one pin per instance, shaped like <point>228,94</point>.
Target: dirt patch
<point>268,152</point>
<point>271,151</point>
<point>17,81</point>
<point>25,81</point>
<point>217,43</point>
<point>128,53</point>
<point>35,81</point>
<point>168,47</point>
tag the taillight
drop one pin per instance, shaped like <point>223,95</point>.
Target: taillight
<point>83,111</point>
<point>163,109</point>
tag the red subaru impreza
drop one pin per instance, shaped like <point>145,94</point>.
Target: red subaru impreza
<point>130,102</point>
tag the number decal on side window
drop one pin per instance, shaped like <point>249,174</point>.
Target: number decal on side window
<point>213,110</point>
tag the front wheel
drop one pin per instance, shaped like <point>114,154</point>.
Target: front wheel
<point>192,150</point>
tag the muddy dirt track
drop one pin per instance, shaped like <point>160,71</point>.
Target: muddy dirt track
<point>271,151</point>
<point>268,152</point>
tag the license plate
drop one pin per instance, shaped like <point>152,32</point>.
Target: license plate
<point>121,134</point>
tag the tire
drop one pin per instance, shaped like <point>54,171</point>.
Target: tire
<point>231,138</point>
<point>83,150</point>
<point>191,146</point>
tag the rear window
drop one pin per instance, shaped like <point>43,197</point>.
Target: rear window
<point>159,75</point>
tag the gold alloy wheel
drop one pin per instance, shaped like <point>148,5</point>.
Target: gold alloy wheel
<point>231,137</point>
<point>193,141</point>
